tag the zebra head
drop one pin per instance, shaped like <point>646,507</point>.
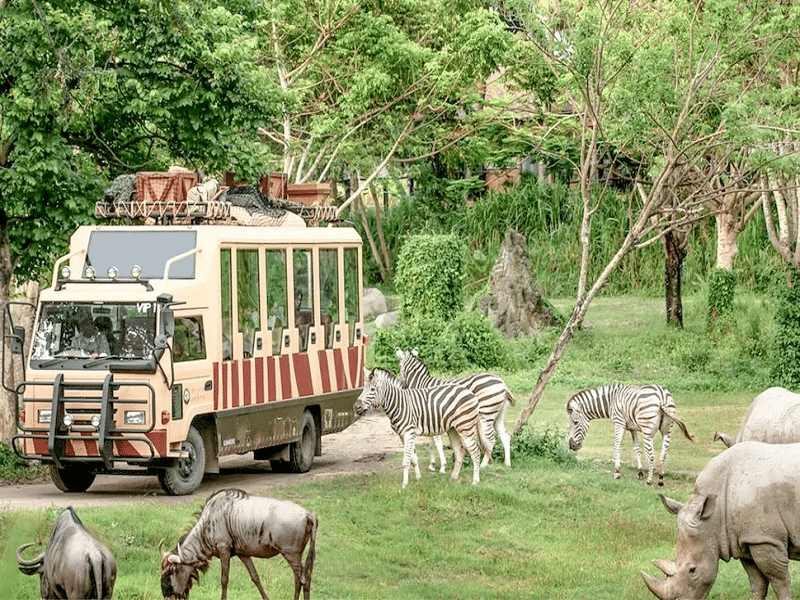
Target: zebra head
<point>413,372</point>
<point>578,424</point>
<point>371,396</point>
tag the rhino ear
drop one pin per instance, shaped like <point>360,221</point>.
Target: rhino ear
<point>709,504</point>
<point>671,505</point>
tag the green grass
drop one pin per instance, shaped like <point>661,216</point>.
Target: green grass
<point>543,529</point>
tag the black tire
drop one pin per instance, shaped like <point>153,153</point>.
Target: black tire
<point>74,478</point>
<point>301,452</point>
<point>185,475</point>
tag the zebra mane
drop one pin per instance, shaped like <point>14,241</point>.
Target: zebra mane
<point>385,375</point>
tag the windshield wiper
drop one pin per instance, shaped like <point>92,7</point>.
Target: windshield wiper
<point>96,361</point>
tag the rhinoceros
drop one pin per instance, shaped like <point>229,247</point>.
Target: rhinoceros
<point>744,506</point>
<point>773,417</point>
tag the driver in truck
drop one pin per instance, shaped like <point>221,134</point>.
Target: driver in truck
<point>89,339</point>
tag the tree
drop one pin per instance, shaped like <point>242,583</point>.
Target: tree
<point>92,89</point>
<point>367,85</point>
<point>653,80</point>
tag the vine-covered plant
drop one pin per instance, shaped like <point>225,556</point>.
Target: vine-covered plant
<point>721,288</point>
<point>786,358</point>
<point>430,276</point>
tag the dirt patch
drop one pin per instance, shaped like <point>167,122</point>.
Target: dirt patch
<point>367,446</point>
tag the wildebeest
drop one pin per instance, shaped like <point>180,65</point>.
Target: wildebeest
<point>234,523</point>
<point>744,506</point>
<point>75,564</point>
<point>773,417</point>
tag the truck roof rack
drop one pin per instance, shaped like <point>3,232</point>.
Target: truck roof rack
<point>175,199</point>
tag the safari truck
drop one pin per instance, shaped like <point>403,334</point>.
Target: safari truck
<point>231,323</point>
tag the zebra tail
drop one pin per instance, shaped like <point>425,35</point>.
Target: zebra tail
<point>509,396</point>
<point>688,435</point>
<point>486,447</point>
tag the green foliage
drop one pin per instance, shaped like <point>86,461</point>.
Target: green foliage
<point>549,443</point>
<point>430,276</point>
<point>721,287</point>
<point>14,468</point>
<point>468,342</point>
<point>786,351</point>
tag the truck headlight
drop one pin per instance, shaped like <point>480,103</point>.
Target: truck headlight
<point>135,417</point>
<point>68,420</point>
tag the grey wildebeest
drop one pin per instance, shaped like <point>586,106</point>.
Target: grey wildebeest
<point>773,417</point>
<point>744,506</point>
<point>75,564</point>
<point>233,523</point>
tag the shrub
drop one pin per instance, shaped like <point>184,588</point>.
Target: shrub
<point>13,467</point>
<point>721,286</point>
<point>430,276</point>
<point>786,352</point>
<point>550,444</point>
<point>483,346</point>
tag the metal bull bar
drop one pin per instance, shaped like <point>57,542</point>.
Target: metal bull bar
<point>74,406</point>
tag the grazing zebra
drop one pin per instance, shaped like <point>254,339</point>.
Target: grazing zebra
<point>426,411</point>
<point>491,391</point>
<point>644,408</point>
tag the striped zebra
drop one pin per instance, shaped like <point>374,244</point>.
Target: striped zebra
<point>491,391</point>
<point>430,411</point>
<point>635,408</point>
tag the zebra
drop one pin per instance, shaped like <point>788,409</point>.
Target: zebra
<point>492,393</point>
<point>447,409</point>
<point>643,408</point>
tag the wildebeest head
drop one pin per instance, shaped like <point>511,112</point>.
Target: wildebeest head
<point>178,576</point>
<point>29,567</point>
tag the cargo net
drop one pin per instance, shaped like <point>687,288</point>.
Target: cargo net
<point>165,200</point>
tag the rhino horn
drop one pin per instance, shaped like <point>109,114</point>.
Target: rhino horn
<point>668,567</point>
<point>659,587</point>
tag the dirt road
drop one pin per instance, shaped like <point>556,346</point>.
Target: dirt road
<point>361,448</point>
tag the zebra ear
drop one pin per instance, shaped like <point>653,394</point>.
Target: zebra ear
<point>399,353</point>
<point>415,351</point>
<point>367,373</point>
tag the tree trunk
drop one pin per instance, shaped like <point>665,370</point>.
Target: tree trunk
<point>727,247</point>
<point>7,419</point>
<point>675,251</point>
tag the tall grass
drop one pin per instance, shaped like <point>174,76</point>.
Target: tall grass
<point>550,527</point>
<point>549,216</point>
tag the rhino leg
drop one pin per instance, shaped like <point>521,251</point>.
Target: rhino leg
<point>773,562</point>
<point>758,582</point>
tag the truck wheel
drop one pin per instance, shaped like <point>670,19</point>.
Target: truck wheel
<point>301,452</point>
<point>72,478</point>
<point>185,475</point>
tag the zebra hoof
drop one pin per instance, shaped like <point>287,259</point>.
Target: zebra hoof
<point>641,475</point>
<point>617,475</point>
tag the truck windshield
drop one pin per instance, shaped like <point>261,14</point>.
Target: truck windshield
<point>149,250</point>
<point>68,330</point>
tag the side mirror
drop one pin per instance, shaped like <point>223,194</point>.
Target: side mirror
<point>17,339</point>
<point>167,322</point>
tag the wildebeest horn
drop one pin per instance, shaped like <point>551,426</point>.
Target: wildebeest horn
<point>164,553</point>
<point>29,563</point>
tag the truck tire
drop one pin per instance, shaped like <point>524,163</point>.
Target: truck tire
<point>185,475</point>
<point>301,452</point>
<point>73,478</point>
